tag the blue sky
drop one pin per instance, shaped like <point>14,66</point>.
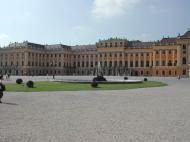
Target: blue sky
<point>77,22</point>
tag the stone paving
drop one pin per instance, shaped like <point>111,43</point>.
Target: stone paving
<point>140,115</point>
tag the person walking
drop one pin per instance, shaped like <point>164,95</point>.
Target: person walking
<point>2,89</point>
<point>1,78</point>
<point>179,77</point>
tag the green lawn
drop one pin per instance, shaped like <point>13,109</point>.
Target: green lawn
<point>55,86</point>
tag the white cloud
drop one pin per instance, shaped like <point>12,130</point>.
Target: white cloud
<point>3,36</point>
<point>143,37</point>
<point>156,10</point>
<point>82,29</point>
<point>4,39</point>
<point>78,28</point>
<point>110,8</point>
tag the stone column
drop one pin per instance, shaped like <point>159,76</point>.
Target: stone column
<point>103,55</point>
<point>160,57</point>
<point>134,59</point>
<point>94,60</point>
<point>26,57</point>
<point>113,67</point>
<point>167,57</point>
<point>139,60</point>
<point>89,61</point>
<point>150,59</point>
<point>108,63</point>
<point>173,57</point>
<point>38,59</point>
<point>128,60</point>
<point>144,56</point>
<point>15,59</point>
<point>118,67</point>
<point>118,56</point>
<point>188,53</point>
<point>178,55</point>
<point>154,58</point>
<point>98,58</point>
<point>123,59</point>
<point>80,61</point>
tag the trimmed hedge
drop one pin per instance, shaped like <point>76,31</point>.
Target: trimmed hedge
<point>145,79</point>
<point>2,87</point>
<point>125,78</point>
<point>99,78</point>
<point>30,84</point>
<point>19,81</point>
<point>94,84</point>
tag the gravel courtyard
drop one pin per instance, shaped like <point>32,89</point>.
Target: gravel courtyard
<point>141,115</point>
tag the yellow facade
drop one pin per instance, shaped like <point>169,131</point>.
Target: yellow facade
<point>167,57</point>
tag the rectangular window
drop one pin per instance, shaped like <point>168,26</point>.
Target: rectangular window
<point>157,63</point>
<point>147,63</point>
<point>131,63</point>
<point>126,63</point>
<point>136,63</point>
<point>163,63</point>
<point>142,63</point>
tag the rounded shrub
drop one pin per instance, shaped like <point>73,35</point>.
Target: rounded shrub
<point>145,79</point>
<point>19,81</point>
<point>94,84</point>
<point>2,87</point>
<point>125,78</point>
<point>99,78</point>
<point>30,84</point>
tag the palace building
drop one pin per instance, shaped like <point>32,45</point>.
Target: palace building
<point>166,57</point>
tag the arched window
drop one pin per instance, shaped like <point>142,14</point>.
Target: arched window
<point>184,72</point>
<point>157,72</point>
<point>163,73</point>
<point>170,72</point>
<point>141,72</point>
<point>170,63</point>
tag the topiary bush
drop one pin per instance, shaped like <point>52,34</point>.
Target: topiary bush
<point>99,78</point>
<point>94,84</point>
<point>30,84</point>
<point>2,87</point>
<point>145,79</point>
<point>19,81</point>
<point>125,78</point>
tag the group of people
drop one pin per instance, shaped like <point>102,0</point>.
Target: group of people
<point>2,88</point>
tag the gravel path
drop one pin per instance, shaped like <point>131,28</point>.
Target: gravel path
<point>141,115</point>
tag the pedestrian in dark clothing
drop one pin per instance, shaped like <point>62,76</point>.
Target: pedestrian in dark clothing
<point>2,88</point>
<point>1,77</point>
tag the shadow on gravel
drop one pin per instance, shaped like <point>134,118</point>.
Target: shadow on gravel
<point>14,104</point>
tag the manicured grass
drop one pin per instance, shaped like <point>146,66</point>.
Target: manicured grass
<point>56,86</point>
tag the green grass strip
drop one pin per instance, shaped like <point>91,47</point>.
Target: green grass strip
<point>57,86</point>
